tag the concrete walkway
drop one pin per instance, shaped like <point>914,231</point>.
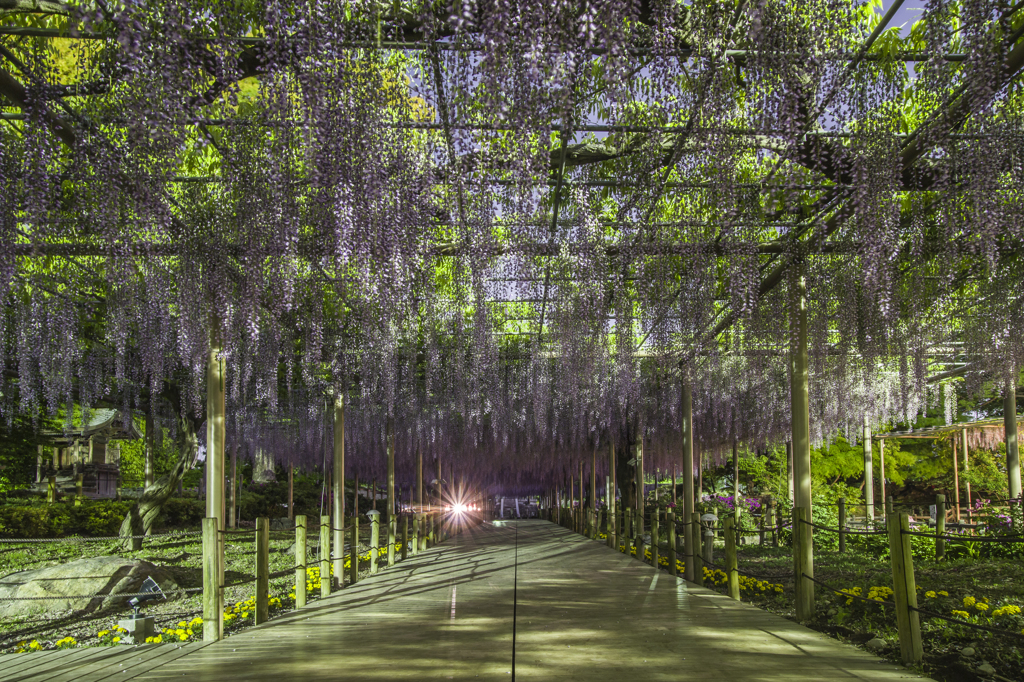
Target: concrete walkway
<point>582,612</point>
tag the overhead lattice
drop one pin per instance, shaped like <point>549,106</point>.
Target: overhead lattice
<point>515,226</point>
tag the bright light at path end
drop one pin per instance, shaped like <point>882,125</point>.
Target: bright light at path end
<point>459,508</point>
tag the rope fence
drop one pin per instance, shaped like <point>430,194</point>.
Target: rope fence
<point>76,539</point>
<point>961,621</point>
<point>1009,540</point>
<point>187,590</point>
<point>843,530</point>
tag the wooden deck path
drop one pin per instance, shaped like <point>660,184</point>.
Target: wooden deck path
<point>581,612</point>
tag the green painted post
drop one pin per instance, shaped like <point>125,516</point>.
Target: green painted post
<point>325,556</point>
<point>353,564</point>
<point>212,612</point>
<point>655,512</point>
<point>842,524</point>
<point>730,558</point>
<point>374,539</point>
<point>300,561</point>
<point>262,570</point>
<point>940,527</point>
<point>904,588</point>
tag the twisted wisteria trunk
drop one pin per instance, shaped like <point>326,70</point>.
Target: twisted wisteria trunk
<point>143,515</point>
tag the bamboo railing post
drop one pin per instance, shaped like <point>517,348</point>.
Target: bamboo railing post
<point>730,558</point>
<point>212,612</point>
<point>904,588</point>
<point>940,527</point>
<point>300,561</point>
<point>654,537</point>
<point>353,563</point>
<point>262,570</point>
<point>374,539</point>
<point>842,524</point>
<point>325,556</point>
<point>671,518</point>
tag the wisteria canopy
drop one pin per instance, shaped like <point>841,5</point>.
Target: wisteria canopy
<point>512,227</point>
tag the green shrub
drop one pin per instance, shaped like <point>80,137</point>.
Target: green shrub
<point>182,512</point>
<point>93,518</point>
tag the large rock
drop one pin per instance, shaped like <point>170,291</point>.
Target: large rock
<point>107,576</point>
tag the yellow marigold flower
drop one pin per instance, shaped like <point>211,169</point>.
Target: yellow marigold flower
<point>970,601</point>
<point>102,633</point>
<point>930,594</point>
<point>943,593</point>
<point>981,606</point>
<point>183,637</point>
<point>182,624</point>
<point>961,614</point>
<point>116,640</point>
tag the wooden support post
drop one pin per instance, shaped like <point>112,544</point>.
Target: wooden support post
<point>842,524</point>
<point>51,489</point>
<point>79,482</point>
<point>300,561</point>
<point>213,612</point>
<point>405,536</point>
<point>416,539</point>
<point>353,564</point>
<point>392,500</point>
<point>148,468</point>
<point>338,483</point>
<point>804,587</point>
<point>291,492</point>
<point>967,468</point>
<point>689,527</point>
<point>940,527</point>
<point>888,506</point>
<point>736,481</point>
<point>904,588</point>
<point>654,537</point>
<point>325,556</point>
<point>956,481</point>
<point>374,539</point>
<point>215,459</point>
<point>593,495</point>
<point>869,474</point>
<point>613,517</point>
<point>881,469</point>
<point>421,537</point>
<point>730,558</point>
<point>696,553</point>
<point>801,429</point>
<point>672,569</point>
<point>708,547</point>
<point>262,570</point>
<point>1012,445</point>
